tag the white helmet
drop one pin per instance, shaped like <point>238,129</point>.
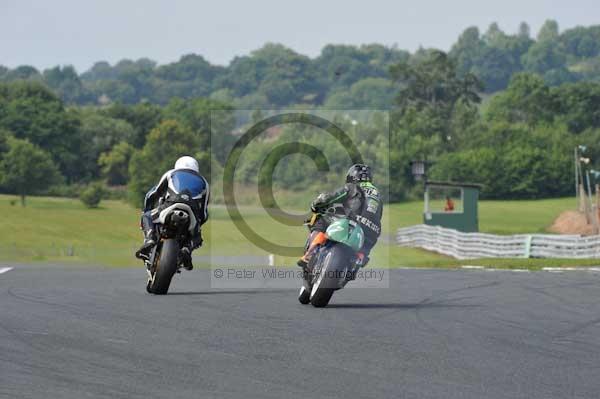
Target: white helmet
<point>187,163</point>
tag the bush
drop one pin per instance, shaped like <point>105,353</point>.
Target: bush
<point>64,190</point>
<point>115,193</point>
<point>92,195</point>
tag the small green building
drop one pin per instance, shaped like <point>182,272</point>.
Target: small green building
<point>452,205</point>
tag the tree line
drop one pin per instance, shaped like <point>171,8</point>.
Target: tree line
<point>518,141</point>
<point>341,76</point>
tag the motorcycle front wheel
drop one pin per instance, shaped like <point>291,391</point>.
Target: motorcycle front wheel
<point>330,274</point>
<point>304,295</point>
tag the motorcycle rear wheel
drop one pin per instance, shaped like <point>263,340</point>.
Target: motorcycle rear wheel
<point>166,267</point>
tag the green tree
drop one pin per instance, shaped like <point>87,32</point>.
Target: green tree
<point>279,73</point>
<point>142,117</point>
<point>467,50</point>
<point>341,66</point>
<point>544,56</point>
<point>66,84</point>
<point>114,165</point>
<point>202,116</point>
<point>495,67</point>
<point>524,30</point>
<point>101,70</point>
<point>4,136</point>
<point>547,53</point>
<point>494,57</point>
<point>166,142</point>
<point>578,105</point>
<point>526,100</point>
<point>3,72</point>
<point>431,93</point>
<point>369,93</point>
<point>127,82</point>
<point>494,35</point>
<point>32,112</point>
<point>548,32</point>
<point>434,81</point>
<point>581,42</point>
<point>23,72</point>
<point>27,169</point>
<point>513,161</point>
<point>100,133</point>
<point>432,100</point>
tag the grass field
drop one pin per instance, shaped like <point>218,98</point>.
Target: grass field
<point>63,230</point>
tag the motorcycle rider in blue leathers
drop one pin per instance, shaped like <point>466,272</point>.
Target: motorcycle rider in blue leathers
<point>184,176</point>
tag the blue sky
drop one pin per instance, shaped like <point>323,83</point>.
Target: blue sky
<point>79,32</point>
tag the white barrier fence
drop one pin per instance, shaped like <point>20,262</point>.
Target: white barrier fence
<point>478,245</point>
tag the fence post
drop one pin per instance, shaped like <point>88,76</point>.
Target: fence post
<point>528,240</point>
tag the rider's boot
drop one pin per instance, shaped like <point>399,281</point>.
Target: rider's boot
<point>186,250</point>
<point>186,257</point>
<point>316,238</point>
<point>149,242</point>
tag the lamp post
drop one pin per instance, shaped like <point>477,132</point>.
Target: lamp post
<point>583,187</point>
<point>596,209</point>
<point>579,181</point>
<point>418,170</point>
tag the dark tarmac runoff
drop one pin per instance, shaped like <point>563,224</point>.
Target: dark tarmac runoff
<point>93,332</point>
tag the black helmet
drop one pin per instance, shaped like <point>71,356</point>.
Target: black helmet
<point>358,173</point>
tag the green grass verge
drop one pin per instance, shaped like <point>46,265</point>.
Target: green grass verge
<point>59,229</point>
<point>63,230</point>
<point>505,263</point>
<point>497,217</point>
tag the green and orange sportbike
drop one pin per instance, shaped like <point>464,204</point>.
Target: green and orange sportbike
<point>335,261</point>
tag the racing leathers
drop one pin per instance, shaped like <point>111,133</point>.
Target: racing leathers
<point>176,181</point>
<point>360,201</point>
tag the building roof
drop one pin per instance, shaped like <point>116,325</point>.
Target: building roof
<point>453,184</point>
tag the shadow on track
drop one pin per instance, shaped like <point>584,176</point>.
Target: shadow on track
<point>232,292</point>
<point>397,305</point>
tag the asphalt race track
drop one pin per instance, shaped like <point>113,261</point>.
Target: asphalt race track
<point>77,332</point>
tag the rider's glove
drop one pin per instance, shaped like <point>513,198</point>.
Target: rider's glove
<point>319,203</point>
<point>362,259</point>
<point>316,207</point>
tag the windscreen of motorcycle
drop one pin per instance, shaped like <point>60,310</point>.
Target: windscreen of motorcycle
<point>181,180</point>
